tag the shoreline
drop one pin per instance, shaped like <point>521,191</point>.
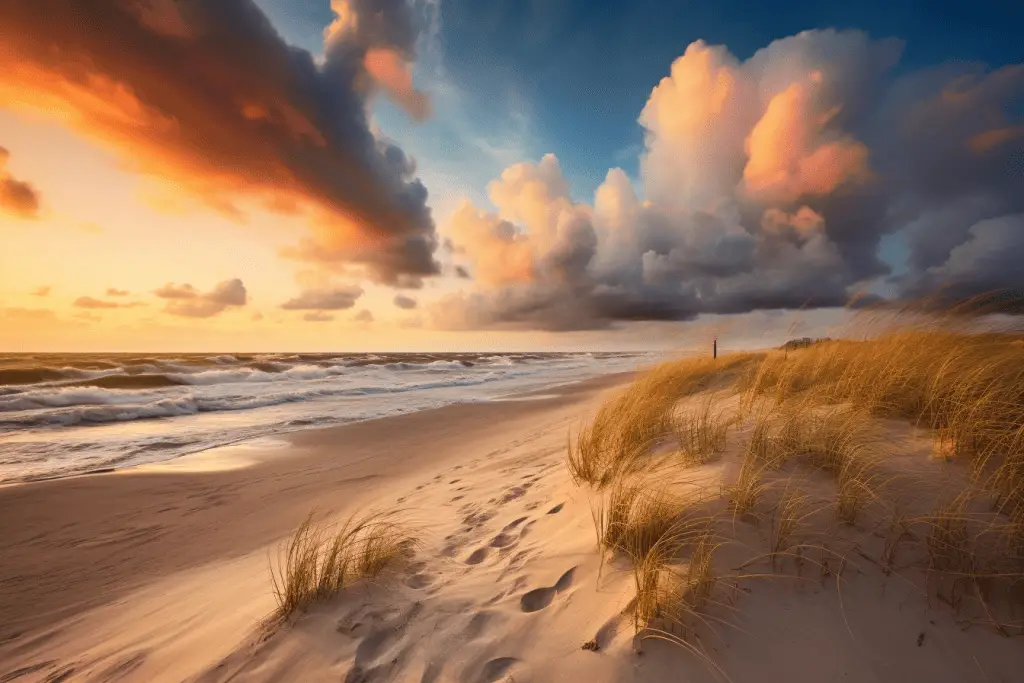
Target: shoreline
<point>135,461</point>
<point>74,544</point>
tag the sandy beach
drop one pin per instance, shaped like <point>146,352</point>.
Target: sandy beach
<point>162,572</point>
<point>156,572</point>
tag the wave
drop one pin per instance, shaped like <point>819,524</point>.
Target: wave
<point>29,375</point>
<point>148,381</point>
<point>66,406</point>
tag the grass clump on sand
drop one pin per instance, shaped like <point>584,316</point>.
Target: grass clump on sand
<point>321,559</point>
<point>701,434</point>
<point>626,428</point>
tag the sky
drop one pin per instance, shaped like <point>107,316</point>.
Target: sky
<point>246,175</point>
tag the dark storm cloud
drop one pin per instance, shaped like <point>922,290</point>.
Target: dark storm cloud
<point>206,95</point>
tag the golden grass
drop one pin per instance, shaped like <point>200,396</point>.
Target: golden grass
<point>633,518</point>
<point>786,519</point>
<point>321,559</point>
<point>819,407</point>
<point>667,589</point>
<point>746,490</point>
<point>701,434</point>
<point>622,433</point>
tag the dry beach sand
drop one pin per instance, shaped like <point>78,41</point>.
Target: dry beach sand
<point>161,573</point>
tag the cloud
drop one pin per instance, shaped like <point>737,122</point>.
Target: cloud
<point>42,290</point>
<point>113,291</point>
<point>363,316</point>
<point>405,302</point>
<point>91,302</point>
<point>19,313</point>
<point>187,301</point>
<point>173,291</point>
<point>317,317</point>
<point>208,97</point>
<point>764,184</point>
<point>988,260</point>
<point>17,198</point>
<point>327,299</point>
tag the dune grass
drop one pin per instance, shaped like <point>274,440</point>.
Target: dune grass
<point>620,437</point>
<point>321,559</point>
<point>788,515</point>
<point>701,434</point>
<point>814,411</point>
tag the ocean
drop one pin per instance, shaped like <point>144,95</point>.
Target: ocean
<point>66,414</point>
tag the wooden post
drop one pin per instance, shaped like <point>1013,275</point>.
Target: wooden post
<point>714,348</point>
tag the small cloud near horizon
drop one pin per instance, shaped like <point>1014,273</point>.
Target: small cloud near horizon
<point>94,303</point>
<point>186,301</point>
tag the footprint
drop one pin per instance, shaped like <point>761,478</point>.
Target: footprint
<point>514,523</point>
<point>454,481</point>
<point>525,530</point>
<point>513,493</point>
<point>478,556</point>
<point>565,580</point>
<point>495,669</point>
<point>502,540</point>
<point>555,510</point>
<point>539,598</point>
<point>476,625</point>
<point>419,580</point>
<point>456,498</point>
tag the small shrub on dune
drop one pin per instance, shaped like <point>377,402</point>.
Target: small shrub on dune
<point>320,559</point>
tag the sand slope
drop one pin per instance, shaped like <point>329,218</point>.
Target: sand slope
<point>506,587</point>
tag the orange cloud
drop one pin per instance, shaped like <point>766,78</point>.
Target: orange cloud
<point>787,158</point>
<point>17,198</point>
<point>990,139</point>
<point>91,302</point>
<point>500,255</point>
<point>394,75</point>
<point>208,98</point>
